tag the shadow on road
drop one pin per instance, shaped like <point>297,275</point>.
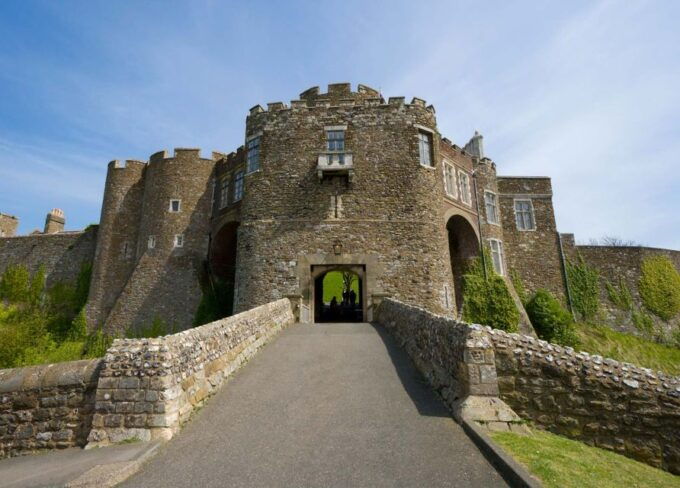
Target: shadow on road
<point>421,393</point>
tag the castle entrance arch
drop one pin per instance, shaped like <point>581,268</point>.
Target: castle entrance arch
<point>339,293</point>
<point>463,247</point>
<point>222,266</point>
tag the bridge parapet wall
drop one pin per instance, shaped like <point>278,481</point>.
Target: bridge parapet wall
<point>149,387</point>
<point>616,406</point>
<point>46,407</point>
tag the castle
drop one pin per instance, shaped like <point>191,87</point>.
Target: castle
<point>337,181</point>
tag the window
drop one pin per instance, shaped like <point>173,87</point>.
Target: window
<point>335,140</point>
<point>253,157</point>
<point>524,215</point>
<point>464,181</point>
<point>151,242</point>
<point>450,180</point>
<point>175,206</point>
<point>126,249</point>
<point>238,186</point>
<point>224,192</point>
<point>491,207</point>
<point>179,240</point>
<point>425,148</point>
<point>497,255</point>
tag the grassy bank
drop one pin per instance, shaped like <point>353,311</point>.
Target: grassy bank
<point>563,463</point>
<point>599,339</point>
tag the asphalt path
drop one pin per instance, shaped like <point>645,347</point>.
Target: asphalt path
<point>325,405</point>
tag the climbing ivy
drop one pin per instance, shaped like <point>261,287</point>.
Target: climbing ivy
<point>585,288</point>
<point>488,301</point>
<point>659,287</point>
<point>519,286</point>
<point>619,294</point>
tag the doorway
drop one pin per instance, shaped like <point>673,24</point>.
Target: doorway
<point>339,293</point>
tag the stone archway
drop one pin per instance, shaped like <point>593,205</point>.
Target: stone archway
<point>222,264</point>
<point>346,308</point>
<point>463,247</point>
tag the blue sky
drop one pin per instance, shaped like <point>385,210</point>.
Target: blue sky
<point>585,92</point>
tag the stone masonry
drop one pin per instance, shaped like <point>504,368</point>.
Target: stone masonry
<point>142,389</point>
<point>47,407</point>
<point>341,180</point>
<point>149,387</point>
<point>8,225</point>
<point>616,406</point>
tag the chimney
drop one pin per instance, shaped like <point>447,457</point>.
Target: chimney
<point>54,222</point>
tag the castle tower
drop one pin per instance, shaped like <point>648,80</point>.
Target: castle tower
<point>55,221</point>
<point>8,225</point>
<point>117,238</point>
<point>342,181</point>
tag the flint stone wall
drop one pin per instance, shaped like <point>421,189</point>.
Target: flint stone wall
<point>61,255</point>
<point>46,407</point>
<point>456,358</point>
<point>149,387</point>
<point>617,406</point>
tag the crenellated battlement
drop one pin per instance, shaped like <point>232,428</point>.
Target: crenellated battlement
<point>340,95</point>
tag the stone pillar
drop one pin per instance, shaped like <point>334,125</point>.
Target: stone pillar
<point>480,402</point>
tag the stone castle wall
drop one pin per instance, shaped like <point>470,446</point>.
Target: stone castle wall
<point>118,231</point>
<point>389,218</point>
<point>533,254</point>
<point>46,407</point>
<point>140,274</point>
<point>165,282</point>
<point>620,263</point>
<point>61,255</point>
<point>613,405</point>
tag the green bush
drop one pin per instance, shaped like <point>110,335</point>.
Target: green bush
<point>659,287</point>
<point>584,284</point>
<point>620,295</point>
<point>550,320</point>
<point>643,322</point>
<point>488,302</point>
<point>15,284</point>
<point>39,325</point>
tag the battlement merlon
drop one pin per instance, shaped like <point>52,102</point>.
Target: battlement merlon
<point>339,95</point>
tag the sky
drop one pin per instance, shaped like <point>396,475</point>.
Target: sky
<point>586,92</point>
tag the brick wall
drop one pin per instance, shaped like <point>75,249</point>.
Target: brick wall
<point>62,255</point>
<point>46,407</point>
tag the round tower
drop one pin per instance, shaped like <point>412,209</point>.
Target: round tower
<point>116,237</point>
<point>342,181</point>
<point>172,242</point>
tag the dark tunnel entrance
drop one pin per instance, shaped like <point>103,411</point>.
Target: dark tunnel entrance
<point>463,247</point>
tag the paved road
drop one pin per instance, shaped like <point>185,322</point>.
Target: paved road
<point>323,405</point>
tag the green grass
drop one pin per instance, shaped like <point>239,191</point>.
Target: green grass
<point>599,339</point>
<point>563,463</point>
<point>332,287</point>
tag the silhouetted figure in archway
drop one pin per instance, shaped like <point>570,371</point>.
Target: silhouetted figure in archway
<point>352,298</point>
